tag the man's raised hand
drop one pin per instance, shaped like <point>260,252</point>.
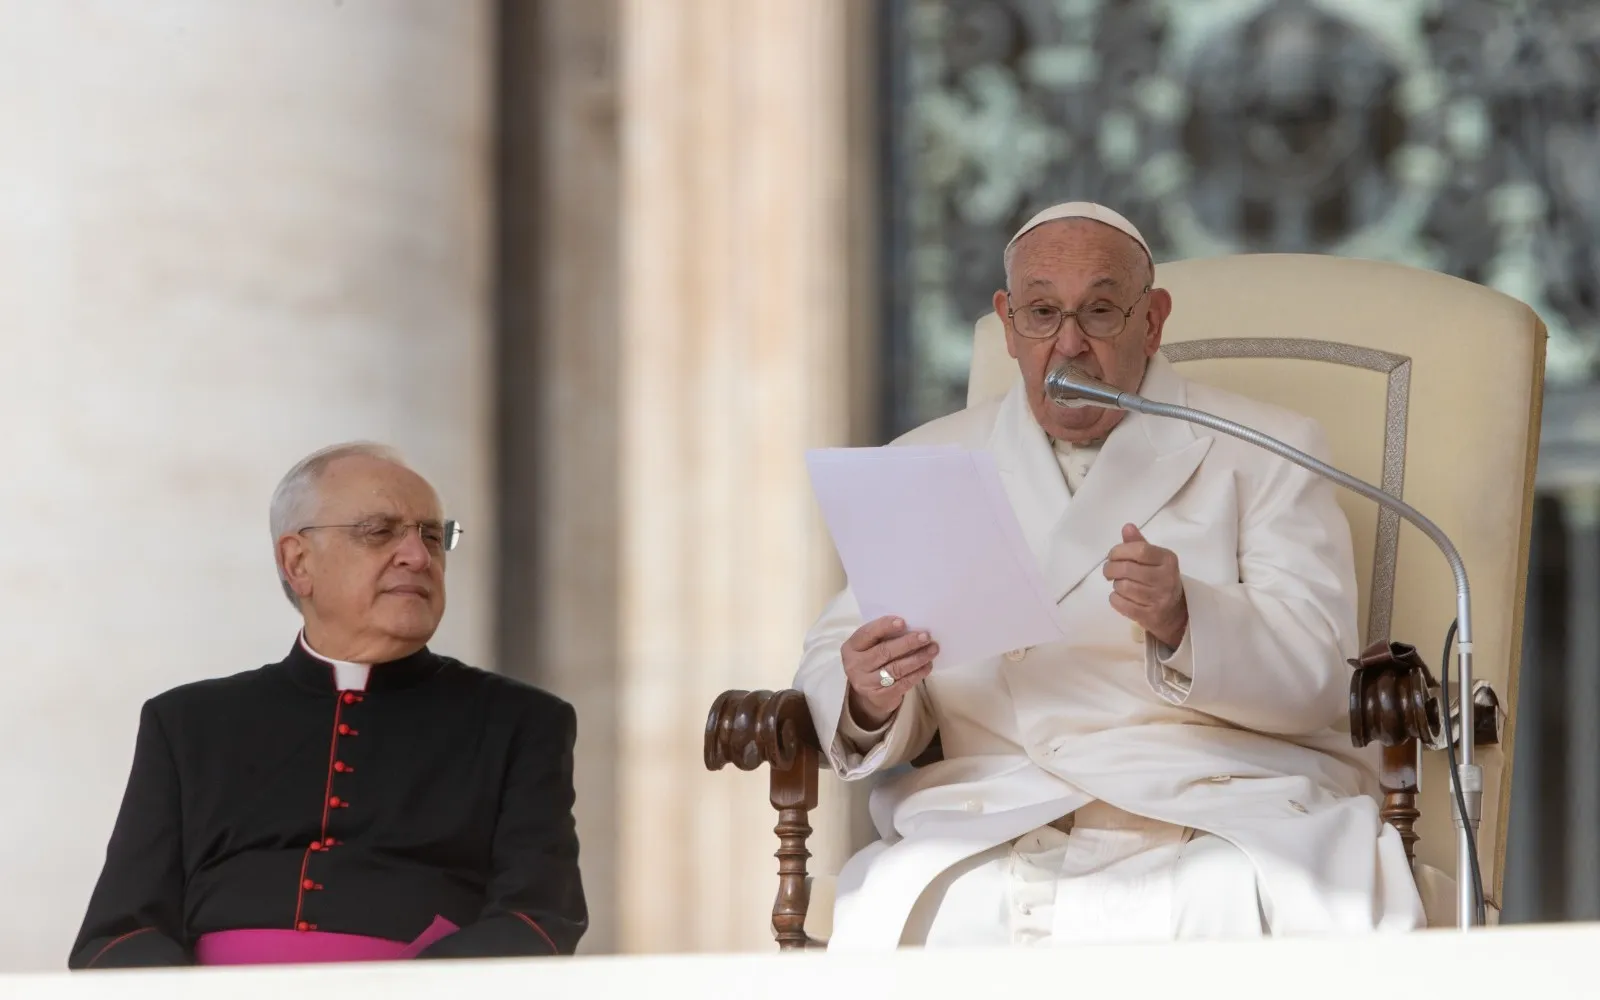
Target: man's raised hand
<point>1147,588</point>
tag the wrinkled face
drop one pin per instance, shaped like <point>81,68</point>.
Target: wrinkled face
<point>379,583</point>
<point>1080,264</point>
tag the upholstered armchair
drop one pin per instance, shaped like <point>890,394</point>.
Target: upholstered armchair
<point>1427,386</point>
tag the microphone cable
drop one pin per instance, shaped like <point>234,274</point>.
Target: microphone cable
<point>1455,772</point>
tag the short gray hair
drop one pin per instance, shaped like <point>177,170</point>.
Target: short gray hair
<point>294,502</point>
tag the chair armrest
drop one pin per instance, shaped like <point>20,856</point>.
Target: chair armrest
<point>1394,701</point>
<point>751,728</point>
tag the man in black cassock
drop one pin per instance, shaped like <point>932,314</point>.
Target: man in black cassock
<point>364,798</point>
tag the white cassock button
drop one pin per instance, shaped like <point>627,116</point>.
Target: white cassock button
<point>1016,655</point>
<point>1297,807</point>
<point>972,806</point>
<point>1136,633</point>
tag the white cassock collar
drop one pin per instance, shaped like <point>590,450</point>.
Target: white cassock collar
<point>346,676</point>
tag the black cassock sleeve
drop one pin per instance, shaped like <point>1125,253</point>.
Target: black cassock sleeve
<point>535,900</point>
<point>135,916</point>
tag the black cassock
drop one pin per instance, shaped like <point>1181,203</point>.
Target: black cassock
<point>272,800</point>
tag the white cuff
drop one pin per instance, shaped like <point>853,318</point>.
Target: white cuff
<point>850,765</point>
<point>1170,671</point>
<point>854,736</point>
<point>1180,659</point>
<point>858,752</point>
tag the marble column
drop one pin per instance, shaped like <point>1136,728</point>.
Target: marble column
<point>230,233</point>
<point>560,402</point>
<point>742,337</point>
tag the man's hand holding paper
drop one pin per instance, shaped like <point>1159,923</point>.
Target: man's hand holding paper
<point>926,536</point>
<point>882,662</point>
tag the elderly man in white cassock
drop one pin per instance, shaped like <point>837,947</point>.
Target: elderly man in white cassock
<point>1178,767</point>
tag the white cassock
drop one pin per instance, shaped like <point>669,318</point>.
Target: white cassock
<point>1104,787</point>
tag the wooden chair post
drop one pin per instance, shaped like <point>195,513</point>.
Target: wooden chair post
<point>1392,702</point>
<point>1398,778</point>
<point>751,728</point>
<point>794,795</point>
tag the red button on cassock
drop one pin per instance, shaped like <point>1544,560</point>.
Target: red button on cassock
<point>316,845</point>
<point>330,842</point>
<point>308,885</point>
<point>349,698</point>
<point>334,802</point>
<point>338,765</point>
<point>344,729</point>
<point>302,926</point>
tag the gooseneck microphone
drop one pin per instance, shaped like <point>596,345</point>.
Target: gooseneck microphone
<point>1069,385</point>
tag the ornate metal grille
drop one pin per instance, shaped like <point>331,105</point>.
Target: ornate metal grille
<point>1462,136</point>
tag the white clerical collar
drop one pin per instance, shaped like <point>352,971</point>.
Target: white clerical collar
<point>346,676</point>
<point>1067,447</point>
<point>1075,461</point>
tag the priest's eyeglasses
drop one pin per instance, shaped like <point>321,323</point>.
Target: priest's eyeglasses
<point>1101,319</point>
<point>381,532</point>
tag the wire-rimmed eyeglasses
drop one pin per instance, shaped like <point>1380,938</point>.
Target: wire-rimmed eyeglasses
<point>1099,320</point>
<point>380,532</point>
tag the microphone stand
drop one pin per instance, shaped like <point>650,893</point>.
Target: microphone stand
<point>1068,386</point>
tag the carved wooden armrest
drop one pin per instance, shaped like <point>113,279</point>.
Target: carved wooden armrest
<point>751,728</point>
<point>1394,702</point>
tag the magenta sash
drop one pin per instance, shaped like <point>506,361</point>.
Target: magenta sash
<point>291,947</point>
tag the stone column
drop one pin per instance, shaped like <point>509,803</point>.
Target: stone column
<point>740,327</point>
<point>230,233</point>
<point>560,400</point>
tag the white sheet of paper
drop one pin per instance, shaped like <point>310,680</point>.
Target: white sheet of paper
<point>926,533</point>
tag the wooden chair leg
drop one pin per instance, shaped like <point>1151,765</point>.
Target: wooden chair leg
<point>794,795</point>
<point>1399,781</point>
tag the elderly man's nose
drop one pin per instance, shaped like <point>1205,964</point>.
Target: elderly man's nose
<point>1070,341</point>
<point>412,551</point>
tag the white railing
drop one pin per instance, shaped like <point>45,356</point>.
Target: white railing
<point>1547,961</point>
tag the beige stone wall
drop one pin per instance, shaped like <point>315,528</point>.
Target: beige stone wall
<point>230,232</point>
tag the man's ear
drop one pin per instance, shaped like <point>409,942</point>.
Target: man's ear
<point>293,558</point>
<point>1000,303</point>
<point>1156,314</point>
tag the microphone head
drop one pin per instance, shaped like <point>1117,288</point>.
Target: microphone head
<point>1068,385</point>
